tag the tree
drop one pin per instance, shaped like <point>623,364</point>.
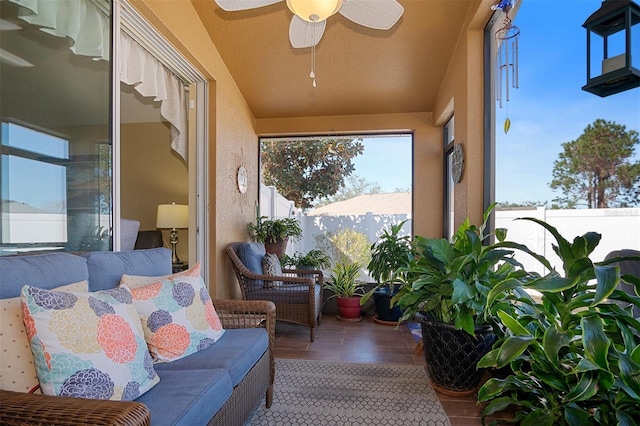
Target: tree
<point>304,170</point>
<point>353,186</point>
<point>596,169</point>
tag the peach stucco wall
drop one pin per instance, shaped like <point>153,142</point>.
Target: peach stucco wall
<point>233,135</point>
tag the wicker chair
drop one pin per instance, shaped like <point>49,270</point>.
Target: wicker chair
<point>297,294</point>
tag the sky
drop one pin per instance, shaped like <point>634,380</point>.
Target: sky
<point>550,107</point>
<point>547,109</point>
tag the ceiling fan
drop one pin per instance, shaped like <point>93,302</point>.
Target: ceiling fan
<point>309,19</point>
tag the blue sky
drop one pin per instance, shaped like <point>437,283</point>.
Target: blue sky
<point>548,108</point>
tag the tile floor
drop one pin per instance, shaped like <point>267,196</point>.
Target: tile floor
<point>366,341</point>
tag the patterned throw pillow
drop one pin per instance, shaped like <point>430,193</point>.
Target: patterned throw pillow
<point>87,345</point>
<point>136,281</point>
<point>177,316</point>
<point>17,370</point>
<point>271,266</point>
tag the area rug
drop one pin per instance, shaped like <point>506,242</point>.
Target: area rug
<point>318,393</point>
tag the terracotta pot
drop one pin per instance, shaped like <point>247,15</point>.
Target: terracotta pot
<point>349,307</point>
<point>278,248</point>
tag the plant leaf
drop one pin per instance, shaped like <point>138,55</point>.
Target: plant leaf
<point>539,417</point>
<point>608,278</point>
<point>511,348</point>
<point>595,341</point>
<point>576,416</point>
<point>586,387</point>
<point>551,283</point>
<point>630,372</point>
<point>552,341</point>
<point>512,324</point>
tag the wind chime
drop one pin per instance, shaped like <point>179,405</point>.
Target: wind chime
<point>506,58</point>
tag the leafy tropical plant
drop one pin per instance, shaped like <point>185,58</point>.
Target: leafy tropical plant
<point>342,281</point>
<point>574,357</point>
<point>270,230</point>
<point>389,254</point>
<point>315,258</point>
<point>449,281</point>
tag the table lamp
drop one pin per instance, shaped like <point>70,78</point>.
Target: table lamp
<point>173,216</point>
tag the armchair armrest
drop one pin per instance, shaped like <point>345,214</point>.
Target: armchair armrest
<point>18,408</point>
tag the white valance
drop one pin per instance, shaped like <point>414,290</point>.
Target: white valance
<point>150,78</point>
<point>86,23</point>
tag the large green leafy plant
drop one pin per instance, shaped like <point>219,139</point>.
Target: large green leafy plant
<point>315,258</point>
<point>267,230</point>
<point>450,281</point>
<point>574,357</point>
<point>342,281</point>
<point>389,253</point>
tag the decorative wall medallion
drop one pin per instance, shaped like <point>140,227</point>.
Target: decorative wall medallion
<point>458,162</point>
<point>242,180</point>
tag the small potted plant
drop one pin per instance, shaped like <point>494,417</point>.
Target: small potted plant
<point>346,290</point>
<point>314,259</point>
<point>275,233</point>
<point>389,254</point>
<point>574,357</point>
<point>447,286</point>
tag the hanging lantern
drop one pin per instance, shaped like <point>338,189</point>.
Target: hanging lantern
<point>610,38</point>
<point>506,57</point>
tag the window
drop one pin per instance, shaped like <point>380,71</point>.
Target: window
<point>55,168</point>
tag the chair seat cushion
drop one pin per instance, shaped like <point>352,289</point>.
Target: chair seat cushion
<point>237,351</point>
<point>285,294</point>
<point>187,397</point>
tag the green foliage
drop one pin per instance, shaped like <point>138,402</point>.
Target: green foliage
<point>342,281</point>
<point>595,170</point>
<point>389,254</point>
<point>450,282</point>
<point>345,246</point>
<point>304,170</point>
<point>316,259</point>
<point>574,357</point>
<point>271,230</point>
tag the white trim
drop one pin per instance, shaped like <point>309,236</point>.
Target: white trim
<point>202,180</point>
<point>115,128</point>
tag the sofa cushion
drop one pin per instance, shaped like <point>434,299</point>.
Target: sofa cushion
<point>237,351</point>
<point>106,268</point>
<point>271,266</point>
<point>251,254</point>
<point>137,281</point>
<point>177,316</point>
<point>17,370</point>
<point>47,271</point>
<point>187,397</point>
<point>87,345</point>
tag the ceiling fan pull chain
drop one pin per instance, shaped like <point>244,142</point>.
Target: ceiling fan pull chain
<point>312,74</point>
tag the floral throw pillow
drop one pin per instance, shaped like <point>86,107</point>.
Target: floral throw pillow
<point>87,345</point>
<point>271,266</point>
<point>178,317</point>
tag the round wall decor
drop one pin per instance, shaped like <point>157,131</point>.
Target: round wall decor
<point>242,179</point>
<point>457,162</point>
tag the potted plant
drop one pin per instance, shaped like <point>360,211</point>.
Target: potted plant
<point>574,357</point>
<point>314,259</point>
<point>388,254</point>
<point>447,286</point>
<point>346,290</point>
<point>275,233</point>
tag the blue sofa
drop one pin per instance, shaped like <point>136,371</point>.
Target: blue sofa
<point>221,384</point>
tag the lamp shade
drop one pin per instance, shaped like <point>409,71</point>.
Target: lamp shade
<point>314,10</point>
<point>172,216</point>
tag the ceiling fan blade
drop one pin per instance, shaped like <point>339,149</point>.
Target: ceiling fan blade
<point>305,34</point>
<point>234,5</point>
<point>377,14</point>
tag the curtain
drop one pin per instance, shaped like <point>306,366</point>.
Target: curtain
<point>150,78</point>
<point>87,24</point>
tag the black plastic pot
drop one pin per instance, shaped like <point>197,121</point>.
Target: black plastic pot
<point>452,356</point>
<point>382,298</point>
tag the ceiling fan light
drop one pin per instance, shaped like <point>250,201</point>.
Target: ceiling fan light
<point>314,10</point>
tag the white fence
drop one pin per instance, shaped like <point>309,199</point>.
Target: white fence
<point>620,228</point>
